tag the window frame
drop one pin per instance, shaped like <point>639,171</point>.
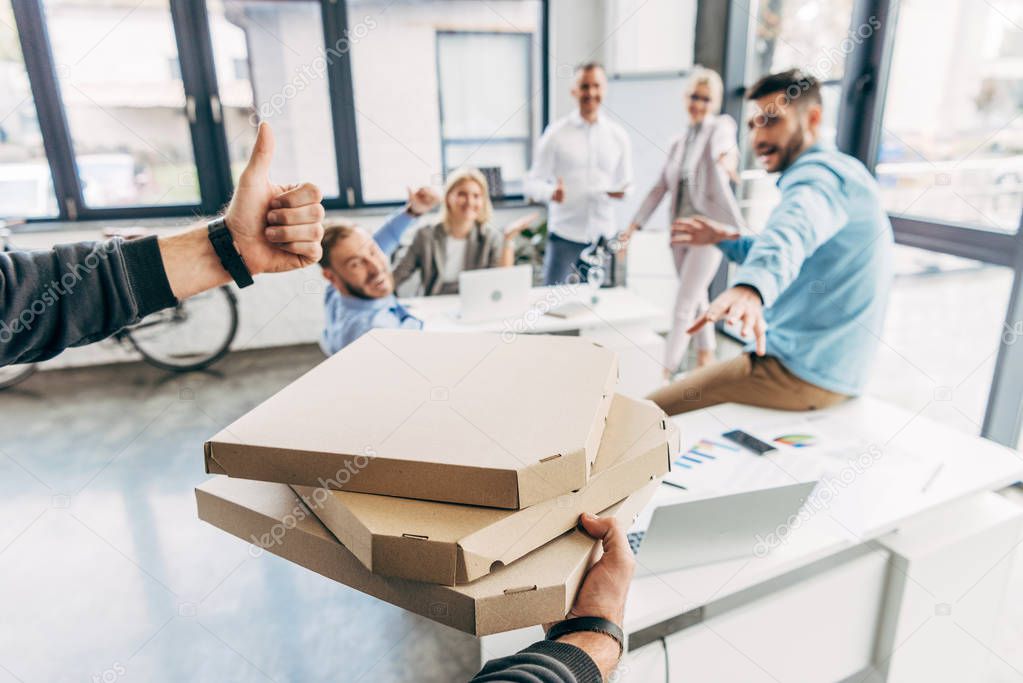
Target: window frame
<point>206,128</point>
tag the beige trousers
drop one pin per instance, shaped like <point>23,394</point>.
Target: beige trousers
<point>748,379</point>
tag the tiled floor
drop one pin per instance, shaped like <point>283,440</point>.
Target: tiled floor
<point>106,574</point>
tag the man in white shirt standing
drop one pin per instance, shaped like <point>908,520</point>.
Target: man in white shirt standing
<point>582,162</point>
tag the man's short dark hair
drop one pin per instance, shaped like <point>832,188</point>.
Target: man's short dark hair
<point>334,230</point>
<point>797,86</point>
<point>589,66</point>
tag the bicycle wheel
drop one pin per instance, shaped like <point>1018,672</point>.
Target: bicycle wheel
<point>13,374</point>
<point>191,336</point>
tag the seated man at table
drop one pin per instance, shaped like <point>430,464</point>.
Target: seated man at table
<point>812,286</point>
<point>358,267</point>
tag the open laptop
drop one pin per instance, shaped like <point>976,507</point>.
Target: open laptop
<point>690,533</point>
<point>494,293</point>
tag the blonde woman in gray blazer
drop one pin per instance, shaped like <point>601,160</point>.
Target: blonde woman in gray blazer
<point>701,162</point>
<point>462,240</point>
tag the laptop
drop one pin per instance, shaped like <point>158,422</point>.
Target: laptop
<point>494,293</point>
<point>691,533</point>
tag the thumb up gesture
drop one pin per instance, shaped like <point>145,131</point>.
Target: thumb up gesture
<point>559,191</point>
<point>422,200</point>
<point>275,227</point>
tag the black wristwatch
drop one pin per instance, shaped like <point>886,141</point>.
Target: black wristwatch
<point>596,624</point>
<point>229,257</point>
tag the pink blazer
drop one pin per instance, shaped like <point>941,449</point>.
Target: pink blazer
<point>712,193</point>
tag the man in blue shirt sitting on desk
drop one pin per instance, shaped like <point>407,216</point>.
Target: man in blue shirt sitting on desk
<point>812,286</point>
<point>358,266</point>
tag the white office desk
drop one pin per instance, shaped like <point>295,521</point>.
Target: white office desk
<point>859,513</point>
<point>619,319</point>
<point>845,585</point>
<point>614,306</point>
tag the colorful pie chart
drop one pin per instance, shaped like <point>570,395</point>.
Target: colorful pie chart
<point>796,440</point>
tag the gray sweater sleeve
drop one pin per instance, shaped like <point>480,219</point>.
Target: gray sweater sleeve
<point>75,294</point>
<point>544,662</point>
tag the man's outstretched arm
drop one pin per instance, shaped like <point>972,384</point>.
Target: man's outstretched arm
<point>77,294</point>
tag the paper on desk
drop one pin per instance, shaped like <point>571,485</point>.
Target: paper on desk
<point>737,470</point>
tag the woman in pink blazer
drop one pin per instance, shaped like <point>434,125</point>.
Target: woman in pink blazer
<point>696,175</point>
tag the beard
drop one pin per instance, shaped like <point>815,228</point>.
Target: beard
<point>788,155</point>
<point>354,290</point>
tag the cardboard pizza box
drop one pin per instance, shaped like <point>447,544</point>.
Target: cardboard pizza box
<point>537,588</point>
<point>480,419</point>
<point>455,544</point>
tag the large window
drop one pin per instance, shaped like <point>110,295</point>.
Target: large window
<point>952,138</point>
<point>150,107</point>
<point>26,186</point>
<point>443,83</point>
<point>928,94</point>
<point>127,115</point>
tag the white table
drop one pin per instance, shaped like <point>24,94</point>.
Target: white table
<point>618,319</point>
<point>884,564</point>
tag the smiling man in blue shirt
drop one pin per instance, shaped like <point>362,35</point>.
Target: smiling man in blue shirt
<point>358,267</point>
<point>812,286</point>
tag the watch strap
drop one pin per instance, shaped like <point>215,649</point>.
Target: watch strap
<point>223,245</point>
<point>596,624</point>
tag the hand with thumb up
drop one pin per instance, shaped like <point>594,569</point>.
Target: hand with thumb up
<point>275,227</point>
<point>559,191</point>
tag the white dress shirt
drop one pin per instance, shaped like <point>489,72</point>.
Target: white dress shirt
<point>592,159</point>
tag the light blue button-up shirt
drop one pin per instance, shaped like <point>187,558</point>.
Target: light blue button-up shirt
<point>823,266</point>
<point>349,317</point>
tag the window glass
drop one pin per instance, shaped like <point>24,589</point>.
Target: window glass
<point>26,186</point>
<point>952,138</point>
<point>271,65</point>
<point>401,80</point>
<point>810,34</point>
<point>117,68</point>
<point>472,100</point>
<point>941,335</point>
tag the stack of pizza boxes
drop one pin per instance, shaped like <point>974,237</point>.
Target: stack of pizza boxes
<point>443,472</point>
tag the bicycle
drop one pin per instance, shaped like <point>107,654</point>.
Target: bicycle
<point>193,335</point>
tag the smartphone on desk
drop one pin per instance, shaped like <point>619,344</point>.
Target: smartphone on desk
<point>748,441</point>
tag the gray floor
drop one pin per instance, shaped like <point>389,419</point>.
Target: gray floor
<point>106,574</point>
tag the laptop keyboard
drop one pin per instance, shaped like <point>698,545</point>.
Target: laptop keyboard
<point>635,538</point>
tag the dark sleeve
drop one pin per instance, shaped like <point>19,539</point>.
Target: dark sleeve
<point>547,661</point>
<point>75,294</point>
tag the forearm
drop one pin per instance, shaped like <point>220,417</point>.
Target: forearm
<point>76,294</point>
<point>545,662</point>
<point>191,264</point>
<point>601,648</point>
<point>649,204</point>
<point>507,257</point>
<point>388,236</point>
<point>540,180</point>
